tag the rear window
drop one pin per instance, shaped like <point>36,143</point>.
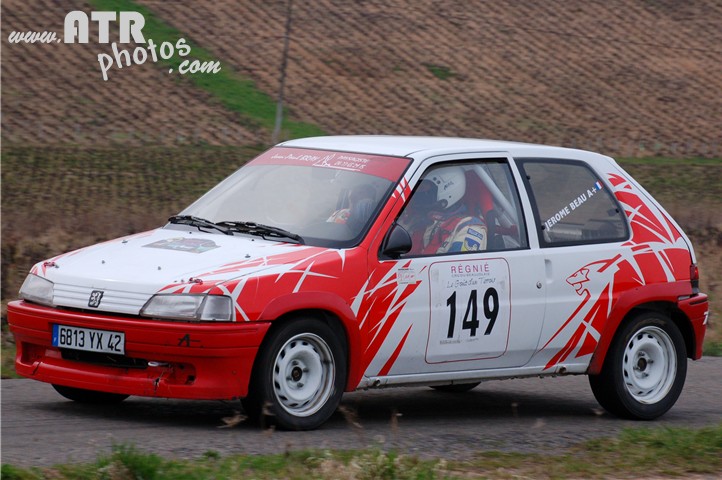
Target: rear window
<point>572,205</point>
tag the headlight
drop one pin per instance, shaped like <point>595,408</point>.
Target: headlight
<point>189,307</point>
<point>37,289</point>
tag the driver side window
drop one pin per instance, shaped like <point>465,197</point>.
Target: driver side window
<point>464,207</point>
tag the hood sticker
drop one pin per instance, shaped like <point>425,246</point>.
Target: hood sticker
<point>182,244</point>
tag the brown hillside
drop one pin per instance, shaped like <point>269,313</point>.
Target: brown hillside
<point>577,72</point>
<point>627,77</point>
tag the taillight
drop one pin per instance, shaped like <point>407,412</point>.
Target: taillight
<point>694,277</point>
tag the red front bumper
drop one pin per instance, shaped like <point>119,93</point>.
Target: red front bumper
<point>195,361</point>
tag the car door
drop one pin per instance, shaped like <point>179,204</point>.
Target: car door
<point>478,292</point>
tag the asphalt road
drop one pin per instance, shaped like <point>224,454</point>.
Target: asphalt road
<point>40,428</point>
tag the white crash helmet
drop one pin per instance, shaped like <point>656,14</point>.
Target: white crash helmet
<point>450,185</point>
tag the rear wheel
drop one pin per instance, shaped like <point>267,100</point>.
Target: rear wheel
<point>645,368</point>
<point>299,376</point>
<point>81,395</point>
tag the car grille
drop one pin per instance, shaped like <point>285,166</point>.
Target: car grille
<point>103,359</point>
<point>112,301</point>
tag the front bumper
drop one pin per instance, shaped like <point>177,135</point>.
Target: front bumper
<point>162,358</point>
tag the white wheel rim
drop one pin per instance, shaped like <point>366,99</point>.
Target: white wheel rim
<point>304,374</point>
<point>650,365</point>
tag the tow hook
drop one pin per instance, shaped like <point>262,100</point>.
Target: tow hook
<point>165,366</point>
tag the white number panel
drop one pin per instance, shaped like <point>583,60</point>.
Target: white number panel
<point>470,310</point>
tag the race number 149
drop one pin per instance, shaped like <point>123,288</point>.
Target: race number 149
<point>490,305</point>
<point>470,310</point>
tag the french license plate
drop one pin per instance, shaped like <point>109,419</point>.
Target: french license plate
<point>88,339</point>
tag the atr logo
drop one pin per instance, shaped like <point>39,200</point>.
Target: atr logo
<point>131,25</point>
<point>95,297</point>
<point>77,29</point>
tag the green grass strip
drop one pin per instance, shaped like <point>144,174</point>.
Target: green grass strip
<point>231,89</point>
<point>638,452</point>
<point>712,349</point>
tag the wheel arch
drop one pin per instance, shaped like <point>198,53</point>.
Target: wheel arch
<point>675,314</point>
<point>660,298</point>
<point>324,307</point>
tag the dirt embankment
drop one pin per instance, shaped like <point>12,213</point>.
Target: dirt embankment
<point>626,77</point>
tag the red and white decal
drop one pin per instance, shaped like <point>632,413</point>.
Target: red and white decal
<point>377,305</point>
<point>655,253</point>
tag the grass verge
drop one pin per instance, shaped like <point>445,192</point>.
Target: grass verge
<point>713,349</point>
<point>7,354</point>
<point>232,90</point>
<point>647,452</point>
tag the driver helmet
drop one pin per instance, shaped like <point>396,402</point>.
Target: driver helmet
<point>450,185</point>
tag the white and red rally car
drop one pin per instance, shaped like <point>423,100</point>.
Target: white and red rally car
<point>340,263</point>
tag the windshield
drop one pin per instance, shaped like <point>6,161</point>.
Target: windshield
<point>328,198</point>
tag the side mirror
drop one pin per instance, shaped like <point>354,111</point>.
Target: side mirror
<point>397,242</point>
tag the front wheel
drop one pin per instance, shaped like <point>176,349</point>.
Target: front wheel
<point>299,376</point>
<point>645,368</point>
<point>81,395</point>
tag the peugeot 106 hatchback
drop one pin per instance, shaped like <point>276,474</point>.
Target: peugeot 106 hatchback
<point>332,264</point>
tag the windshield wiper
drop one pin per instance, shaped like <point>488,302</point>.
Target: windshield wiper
<point>198,222</point>
<point>253,228</point>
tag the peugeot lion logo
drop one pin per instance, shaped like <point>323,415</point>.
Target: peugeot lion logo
<point>95,297</point>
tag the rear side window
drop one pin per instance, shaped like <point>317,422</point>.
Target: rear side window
<point>572,206</point>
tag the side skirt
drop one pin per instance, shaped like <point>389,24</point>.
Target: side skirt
<point>450,378</point>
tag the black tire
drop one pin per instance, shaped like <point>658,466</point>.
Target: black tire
<point>644,370</point>
<point>299,375</point>
<point>89,396</point>
<point>456,388</point>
